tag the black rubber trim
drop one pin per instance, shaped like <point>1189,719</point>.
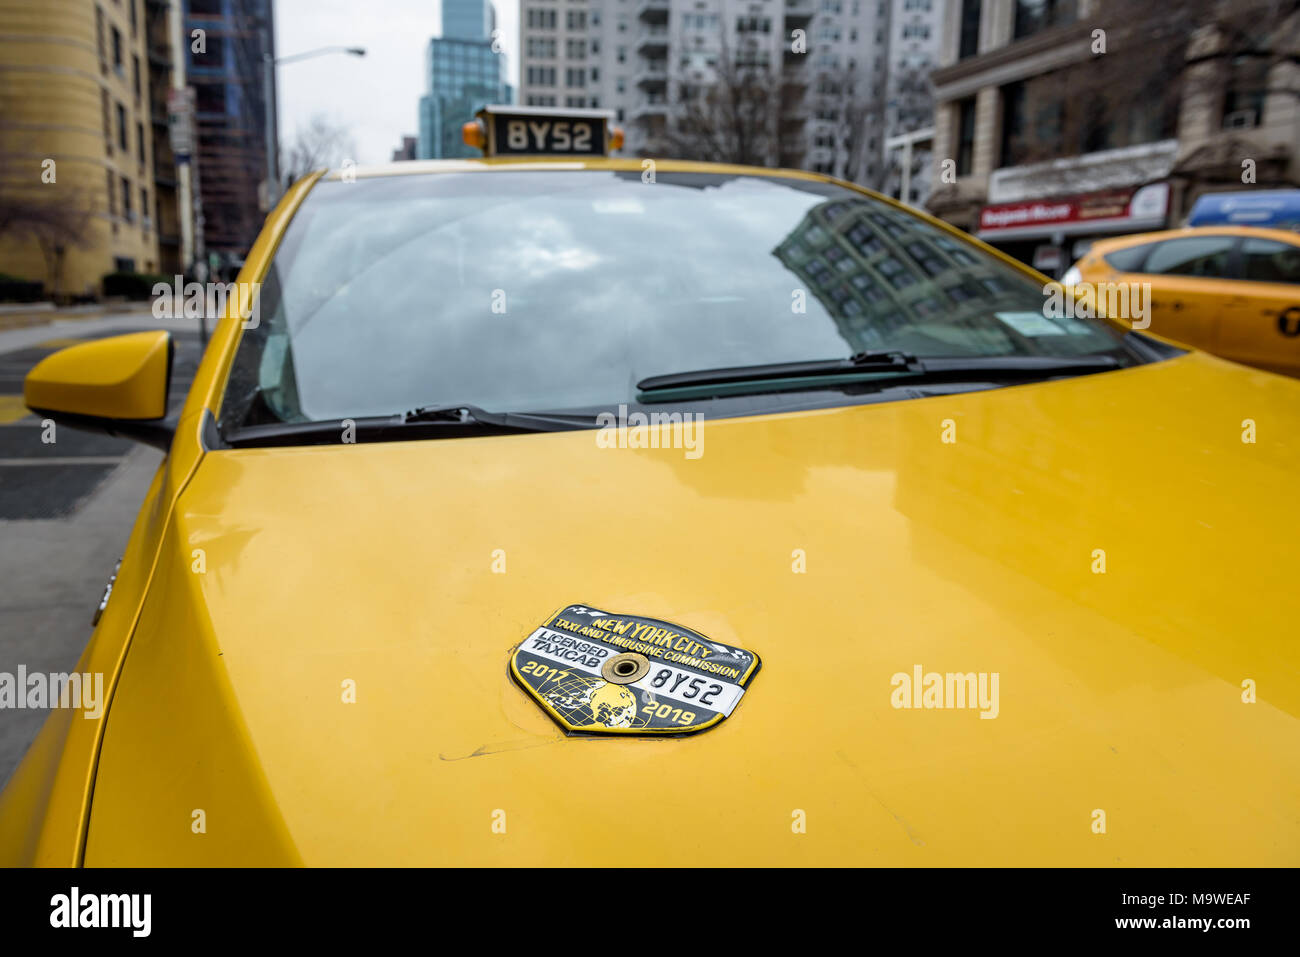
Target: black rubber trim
<point>156,432</point>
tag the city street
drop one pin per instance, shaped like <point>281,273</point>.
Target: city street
<point>654,434</point>
<point>66,508</point>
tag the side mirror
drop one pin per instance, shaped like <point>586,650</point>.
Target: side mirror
<point>117,385</point>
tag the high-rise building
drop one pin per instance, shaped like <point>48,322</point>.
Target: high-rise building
<point>76,158</point>
<point>467,19</point>
<point>835,98</point>
<point>462,75</point>
<point>226,70</point>
<point>164,73</point>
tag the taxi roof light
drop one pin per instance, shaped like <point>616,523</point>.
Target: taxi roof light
<point>534,131</point>
<point>474,134</point>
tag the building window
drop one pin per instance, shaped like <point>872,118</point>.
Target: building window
<point>108,121</point>
<point>112,195</point>
<point>1035,15</point>
<point>1033,118</point>
<point>144,208</point>
<point>542,19</point>
<point>209,98</point>
<point>122,139</point>
<point>127,213</point>
<point>139,135</point>
<point>1243,96</point>
<point>213,55</point>
<point>99,39</point>
<point>970,28</point>
<point>117,51</point>
<point>135,76</point>
<point>965,136</point>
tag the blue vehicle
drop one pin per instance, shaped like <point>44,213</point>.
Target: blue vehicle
<point>1272,208</point>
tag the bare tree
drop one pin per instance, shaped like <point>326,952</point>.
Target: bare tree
<point>730,116</point>
<point>321,143</point>
<point>1231,48</point>
<point>55,217</point>
<point>1146,60</point>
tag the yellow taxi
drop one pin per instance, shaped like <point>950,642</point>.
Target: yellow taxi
<point>558,508</point>
<point>1231,290</point>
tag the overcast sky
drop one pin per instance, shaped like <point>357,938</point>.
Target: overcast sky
<point>376,97</point>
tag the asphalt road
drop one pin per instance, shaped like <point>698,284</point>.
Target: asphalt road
<point>66,509</point>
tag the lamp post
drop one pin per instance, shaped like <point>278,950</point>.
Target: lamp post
<point>269,63</point>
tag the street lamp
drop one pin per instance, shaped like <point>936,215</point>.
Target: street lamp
<point>269,63</point>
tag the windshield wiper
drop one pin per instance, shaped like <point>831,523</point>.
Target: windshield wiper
<point>869,363</point>
<point>864,368</point>
<point>424,422</point>
<point>465,414</point>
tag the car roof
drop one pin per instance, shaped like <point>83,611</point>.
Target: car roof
<point>516,163</point>
<point>1137,239</point>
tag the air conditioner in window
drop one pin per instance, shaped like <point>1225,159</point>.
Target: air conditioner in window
<point>1240,120</point>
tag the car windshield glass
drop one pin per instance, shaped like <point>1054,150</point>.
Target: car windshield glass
<point>561,289</point>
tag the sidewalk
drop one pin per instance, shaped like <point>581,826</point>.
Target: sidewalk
<point>75,323</point>
<point>25,315</point>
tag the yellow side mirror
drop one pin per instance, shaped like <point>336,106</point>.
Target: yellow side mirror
<point>117,385</point>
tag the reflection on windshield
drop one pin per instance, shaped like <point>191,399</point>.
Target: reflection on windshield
<point>560,289</point>
<point>890,280</point>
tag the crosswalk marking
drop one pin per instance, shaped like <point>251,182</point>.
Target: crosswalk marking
<point>12,409</point>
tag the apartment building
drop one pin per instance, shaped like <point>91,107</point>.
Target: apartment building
<point>1059,122</point>
<point>835,104</point>
<point>76,159</point>
<point>847,88</point>
<point>559,53</point>
<point>915,37</point>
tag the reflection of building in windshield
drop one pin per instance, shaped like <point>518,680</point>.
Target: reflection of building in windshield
<point>886,277</point>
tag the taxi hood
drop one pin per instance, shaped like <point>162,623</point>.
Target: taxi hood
<point>320,666</point>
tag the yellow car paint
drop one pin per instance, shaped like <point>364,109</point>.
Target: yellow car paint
<point>122,377</point>
<point>1252,322</point>
<point>310,645</point>
<point>370,567</point>
<point>46,804</point>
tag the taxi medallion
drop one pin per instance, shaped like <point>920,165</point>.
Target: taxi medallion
<point>596,672</point>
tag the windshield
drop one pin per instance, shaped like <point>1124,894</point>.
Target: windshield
<point>555,290</point>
